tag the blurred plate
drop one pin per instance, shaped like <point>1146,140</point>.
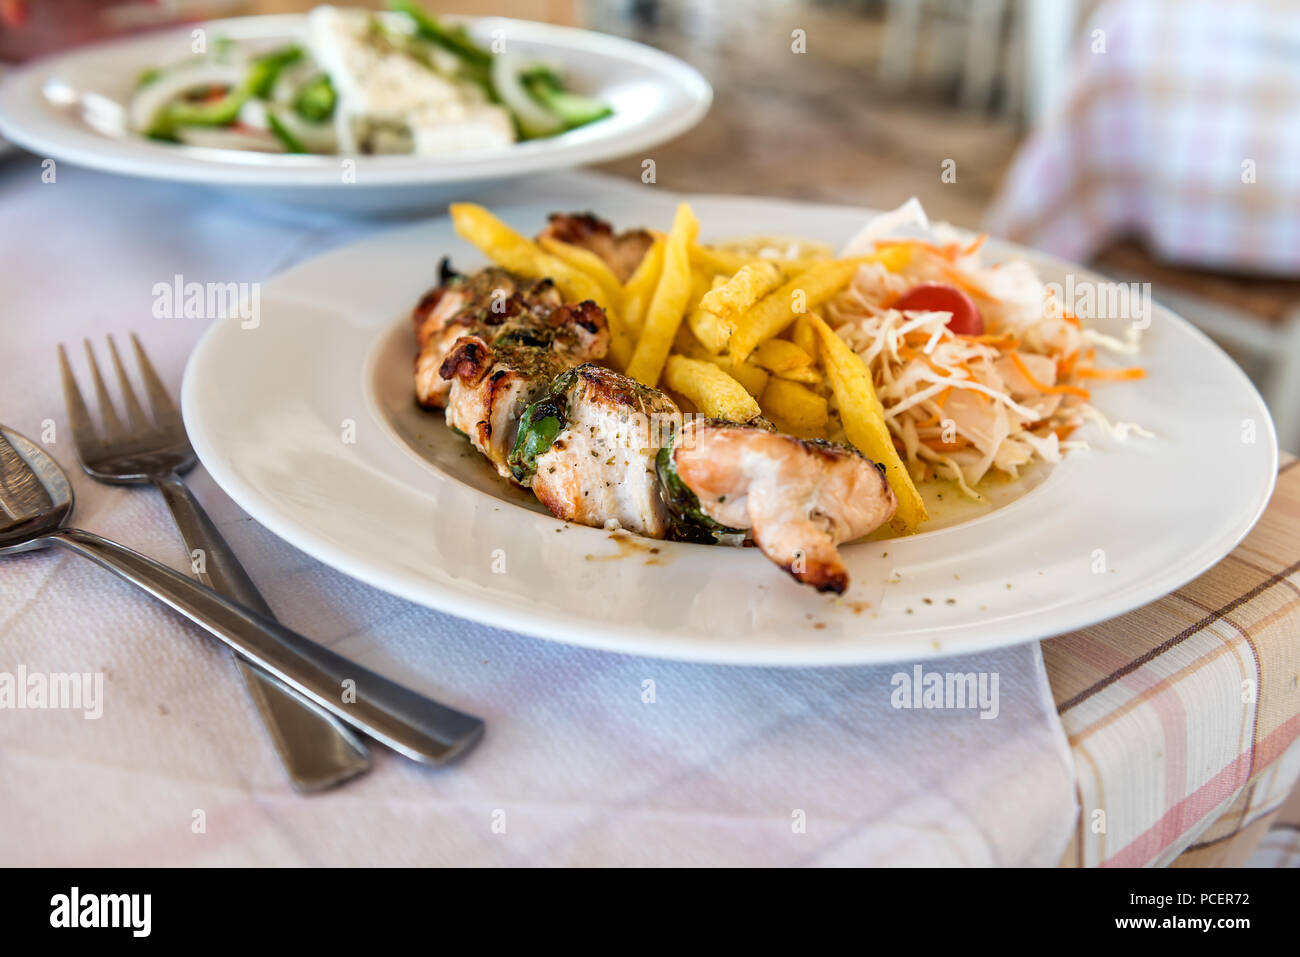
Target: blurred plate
<point>322,442</point>
<point>70,107</point>
<point>5,145</point>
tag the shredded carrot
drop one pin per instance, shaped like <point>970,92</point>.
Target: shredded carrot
<point>1071,319</point>
<point>944,370</point>
<point>1091,372</point>
<point>935,419</point>
<point>1046,389</point>
<point>908,352</point>
<point>1065,366</point>
<point>948,254</point>
<point>1063,432</point>
<point>1001,339</point>
<point>975,245</point>
<point>938,445</point>
<point>961,280</point>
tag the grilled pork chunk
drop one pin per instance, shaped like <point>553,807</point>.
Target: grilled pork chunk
<point>494,375</point>
<point>600,464</point>
<point>479,304</point>
<point>511,363</point>
<point>797,498</point>
<point>622,252</point>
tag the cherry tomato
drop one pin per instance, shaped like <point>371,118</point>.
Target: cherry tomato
<point>941,297</point>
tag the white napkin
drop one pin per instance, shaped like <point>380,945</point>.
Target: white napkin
<point>726,766</point>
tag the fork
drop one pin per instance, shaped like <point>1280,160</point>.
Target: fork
<point>317,750</point>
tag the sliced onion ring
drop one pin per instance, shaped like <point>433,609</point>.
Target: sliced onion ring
<point>534,119</point>
<point>151,98</point>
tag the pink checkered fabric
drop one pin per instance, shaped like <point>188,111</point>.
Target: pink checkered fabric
<point>1181,126</point>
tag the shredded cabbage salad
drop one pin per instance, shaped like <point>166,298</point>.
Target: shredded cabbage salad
<point>965,406</point>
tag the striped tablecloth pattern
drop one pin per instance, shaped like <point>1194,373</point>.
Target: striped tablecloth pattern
<point>1183,716</point>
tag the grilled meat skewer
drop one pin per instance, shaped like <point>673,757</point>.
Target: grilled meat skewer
<point>492,380</point>
<point>588,450</point>
<point>796,498</point>
<point>481,303</point>
<point>622,252</point>
<point>601,447</point>
<point>490,343</point>
<point>511,364</point>
<point>477,305</point>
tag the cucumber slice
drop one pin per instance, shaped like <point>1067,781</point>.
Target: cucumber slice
<point>265,69</point>
<point>454,40</point>
<point>573,109</point>
<point>147,109</point>
<point>315,100</point>
<point>291,143</point>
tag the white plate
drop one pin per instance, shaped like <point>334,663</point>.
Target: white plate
<point>409,508</point>
<point>70,108</point>
<point>5,145</point>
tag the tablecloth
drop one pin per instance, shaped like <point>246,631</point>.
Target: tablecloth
<point>1180,125</point>
<point>1183,716</point>
<point>725,766</point>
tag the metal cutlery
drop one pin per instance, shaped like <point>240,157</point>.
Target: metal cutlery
<point>315,749</point>
<point>36,501</point>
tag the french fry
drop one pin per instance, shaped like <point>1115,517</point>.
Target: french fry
<point>864,421</point>
<point>716,316</point>
<point>816,284</point>
<point>713,392</point>
<point>806,374</point>
<point>669,302</point>
<point>717,260</point>
<point>750,284</point>
<point>701,284</point>
<point>780,356</point>
<point>770,316</point>
<point>805,336</point>
<point>521,255</point>
<point>640,286</point>
<point>800,410</point>
<point>705,325</point>
<point>747,374</point>
<point>685,344</point>
<point>589,263</point>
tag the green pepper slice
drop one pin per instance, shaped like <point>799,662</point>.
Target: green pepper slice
<point>690,523</point>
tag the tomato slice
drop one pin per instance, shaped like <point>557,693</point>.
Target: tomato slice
<point>941,297</point>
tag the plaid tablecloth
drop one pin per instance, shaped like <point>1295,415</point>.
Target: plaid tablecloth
<point>1181,125</point>
<point>1184,716</point>
<point>1166,741</point>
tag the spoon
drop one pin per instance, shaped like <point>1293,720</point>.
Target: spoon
<point>35,505</point>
